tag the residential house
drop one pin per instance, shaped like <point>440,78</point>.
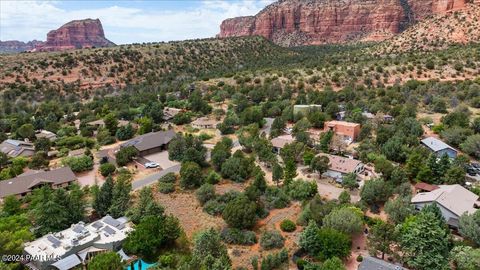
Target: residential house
<point>440,148</point>
<point>101,124</point>
<point>372,263</point>
<point>279,142</point>
<point>16,148</point>
<point>347,130</point>
<point>169,113</point>
<point>453,201</point>
<point>75,246</point>
<point>25,183</point>
<point>305,109</point>
<point>204,123</point>
<point>339,166</point>
<point>46,134</point>
<point>152,142</point>
<point>77,153</point>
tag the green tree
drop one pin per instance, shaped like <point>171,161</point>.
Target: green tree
<point>346,219</point>
<point>277,173</point>
<point>121,195</point>
<point>238,167</point>
<point>125,132</point>
<point>424,251</point>
<point>152,234</point>
<point>146,206</point>
<point>220,153</point>
<point>11,206</point>
<point>42,144</point>
<point>103,197</point>
<point>344,197</point>
<point>107,169</point>
<point>375,191</point>
<point>350,181</point>
<point>111,123</point>
<point>78,164</point>
<point>39,160</point>
<point>125,155</point>
<point>240,213</point>
<point>319,164</point>
<point>465,257</point>
<point>333,263</point>
<point>469,226</point>
<point>190,175</point>
<point>49,215</point>
<point>146,125</point>
<point>26,131</point>
<point>324,243</point>
<point>209,252</point>
<point>399,209</point>
<point>205,193</point>
<point>106,261</point>
<point>381,238</point>
<point>14,232</point>
<point>471,145</point>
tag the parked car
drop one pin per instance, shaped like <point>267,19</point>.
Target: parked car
<point>471,172</point>
<point>151,165</point>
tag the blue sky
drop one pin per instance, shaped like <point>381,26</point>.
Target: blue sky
<point>124,21</point>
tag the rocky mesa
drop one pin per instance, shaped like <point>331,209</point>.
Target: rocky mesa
<point>76,34</point>
<point>313,22</point>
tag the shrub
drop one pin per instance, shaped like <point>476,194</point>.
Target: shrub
<point>359,258</point>
<point>165,188</point>
<point>107,169</point>
<point>288,226</point>
<point>275,198</point>
<point>205,193</point>
<point>240,213</point>
<point>212,178</point>
<point>238,237</point>
<point>302,190</point>
<point>273,261</point>
<point>271,240</point>
<point>214,207</point>
<point>78,164</point>
<point>168,178</point>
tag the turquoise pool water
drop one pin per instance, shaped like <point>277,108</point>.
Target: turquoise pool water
<point>145,265</point>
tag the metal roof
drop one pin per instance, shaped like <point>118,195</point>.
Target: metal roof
<point>435,144</point>
<point>67,262</point>
<point>372,263</point>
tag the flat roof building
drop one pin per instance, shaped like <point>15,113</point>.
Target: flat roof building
<point>76,245</point>
<point>349,131</point>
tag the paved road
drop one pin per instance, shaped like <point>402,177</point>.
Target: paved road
<point>154,177</point>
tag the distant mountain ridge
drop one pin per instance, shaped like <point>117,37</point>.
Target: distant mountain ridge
<point>76,34</point>
<point>313,22</point>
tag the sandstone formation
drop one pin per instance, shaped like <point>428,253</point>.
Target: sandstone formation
<point>311,22</point>
<point>15,46</point>
<point>76,34</point>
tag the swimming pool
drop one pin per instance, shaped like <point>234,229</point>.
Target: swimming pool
<point>136,265</point>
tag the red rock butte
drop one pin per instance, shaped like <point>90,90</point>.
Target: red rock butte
<point>312,22</point>
<point>76,34</point>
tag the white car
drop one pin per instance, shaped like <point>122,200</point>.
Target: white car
<point>151,165</point>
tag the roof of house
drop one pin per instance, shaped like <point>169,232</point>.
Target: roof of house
<point>425,186</point>
<point>100,122</point>
<point>76,153</point>
<point>455,198</point>
<point>341,164</point>
<point>341,123</point>
<point>204,121</point>
<point>150,140</point>
<point>78,240</point>
<point>372,263</point>
<point>15,148</point>
<point>24,182</point>
<point>281,141</point>
<point>45,134</point>
<point>435,144</point>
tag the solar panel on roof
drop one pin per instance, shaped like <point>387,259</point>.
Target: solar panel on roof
<point>97,225</point>
<point>78,228</point>
<point>109,230</point>
<point>111,221</point>
<point>55,242</point>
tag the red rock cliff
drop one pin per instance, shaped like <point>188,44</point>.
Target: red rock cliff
<point>76,35</point>
<point>302,22</point>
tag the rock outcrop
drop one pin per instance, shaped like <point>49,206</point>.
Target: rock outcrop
<point>15,46</point>
<point>76,34</point>
<point>311,22</point>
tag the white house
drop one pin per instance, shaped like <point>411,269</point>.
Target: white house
<point>453,201</point>
<point>339,166</point>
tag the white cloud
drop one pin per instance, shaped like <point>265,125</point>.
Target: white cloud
<point>27,20</point>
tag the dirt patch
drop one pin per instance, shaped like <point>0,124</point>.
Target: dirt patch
<point>186,208</point>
